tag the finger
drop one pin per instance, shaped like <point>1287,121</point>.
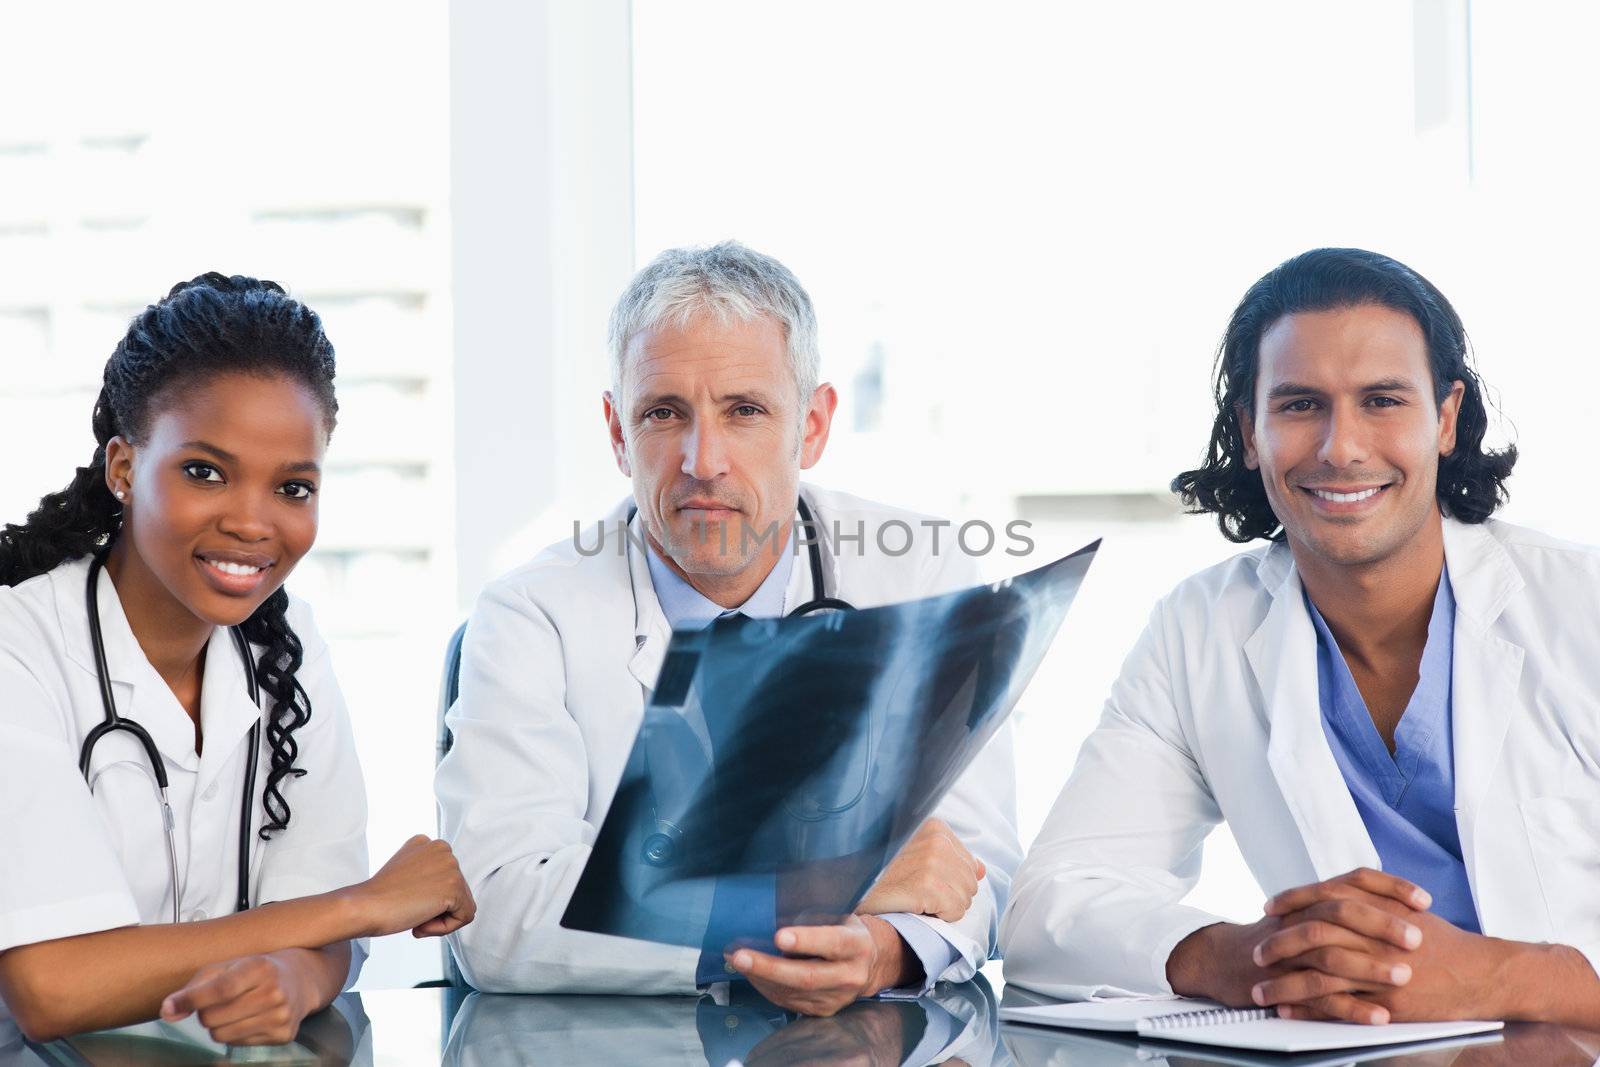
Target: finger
<point>1345,1008</point>
<point>176,1004</point>
<point>1349,963</point>
<point>951,902</point>
<point>438,926</point>
<point>247,1005</point>
<point>1307,934</point>
<point>221,985</point>
<point>261,996</point>
<point>820,942</point>
<point>1299,1011</point>
<point>273,1027</point>
<point>1298,987</point>
<point>969,864</point>
<point>1363,879</point>
<point>802,976</point>
<point>1362,918</point>
<point>982,870</point>
<point>1305,1012</point>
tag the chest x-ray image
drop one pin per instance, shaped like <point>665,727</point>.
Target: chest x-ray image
<point>782,763</point>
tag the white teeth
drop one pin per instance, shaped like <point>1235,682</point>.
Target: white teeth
<point>233,568</point>
<point>1345,498</point>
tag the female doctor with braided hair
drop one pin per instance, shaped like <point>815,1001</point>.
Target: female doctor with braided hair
<point>182,817</point>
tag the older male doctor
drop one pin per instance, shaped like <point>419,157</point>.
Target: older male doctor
<point>1393,704</point>
<point>714,411</point>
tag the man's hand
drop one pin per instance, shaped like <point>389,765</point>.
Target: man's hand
<point>933,874</point>
<point>1326,963</point>
<point>1450,974</point>
<point>256,1000</point>
<point>864,1035</point>
<point>825,968</point>
<point>1318,943</point>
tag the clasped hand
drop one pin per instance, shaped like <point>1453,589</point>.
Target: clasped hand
<point>1361,947</point>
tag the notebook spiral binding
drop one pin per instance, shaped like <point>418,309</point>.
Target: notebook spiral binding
<point>1210,1017</point>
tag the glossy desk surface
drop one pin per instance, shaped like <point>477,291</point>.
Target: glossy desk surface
<point>955,1025</point>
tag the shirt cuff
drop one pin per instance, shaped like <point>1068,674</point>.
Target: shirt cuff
<point>933,951</point>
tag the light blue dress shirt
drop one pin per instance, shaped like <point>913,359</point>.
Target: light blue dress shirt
<point>686,608</point>
<point>1407,799</point>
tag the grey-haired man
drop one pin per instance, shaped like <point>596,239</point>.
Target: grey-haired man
<point>714,411</point>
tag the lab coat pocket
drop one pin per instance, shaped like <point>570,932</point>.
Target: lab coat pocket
<point>1564,837</point>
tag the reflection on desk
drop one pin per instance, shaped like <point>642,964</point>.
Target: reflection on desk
<point>955,1023</point>
<point>336,1036</point>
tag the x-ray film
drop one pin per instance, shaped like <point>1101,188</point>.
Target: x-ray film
<point>782,763</point>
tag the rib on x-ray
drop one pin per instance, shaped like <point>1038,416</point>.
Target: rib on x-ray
<point>785,761</point>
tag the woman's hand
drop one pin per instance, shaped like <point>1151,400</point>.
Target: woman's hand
<point>420,889</point>
<point>257,1000</point>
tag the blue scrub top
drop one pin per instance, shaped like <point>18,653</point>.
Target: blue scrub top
<point>1406,799</point>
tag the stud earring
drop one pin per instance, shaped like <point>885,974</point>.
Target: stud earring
<point>121,495</point>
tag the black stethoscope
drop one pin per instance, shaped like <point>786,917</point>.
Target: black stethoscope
<point>115,722</point>
<point>663,843</point>
<point>820,601</point>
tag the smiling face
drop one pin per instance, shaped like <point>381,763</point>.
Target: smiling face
<point>1346,434</point>
<point>221,493</point>
<point>710,427</point>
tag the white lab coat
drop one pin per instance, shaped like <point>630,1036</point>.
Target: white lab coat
<point>1216,716</point>
<point>558,662</point>
<point>73,862</point>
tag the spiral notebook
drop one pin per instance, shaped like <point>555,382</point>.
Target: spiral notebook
<point>1204,1022</point>
<point>1038,1046</point>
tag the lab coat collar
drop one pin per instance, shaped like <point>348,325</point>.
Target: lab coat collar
<point>226,710</point>
<point>142,695</point>
<point>1282,652</point>
<point>650,629</point>
<point>1482,574</point>
<point>1486,672</point>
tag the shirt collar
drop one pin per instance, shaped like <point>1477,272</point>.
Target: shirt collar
<point>686,608</point>
<point>226,710</point>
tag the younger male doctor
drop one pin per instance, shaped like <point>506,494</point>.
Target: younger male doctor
<point>1392,703</point>
<point>714,411</point>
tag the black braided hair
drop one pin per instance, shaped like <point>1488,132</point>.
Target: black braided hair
<point>211,325</point>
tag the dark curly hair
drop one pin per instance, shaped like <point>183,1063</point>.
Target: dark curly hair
<point>1472,479</point>
<point>211,325</point>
